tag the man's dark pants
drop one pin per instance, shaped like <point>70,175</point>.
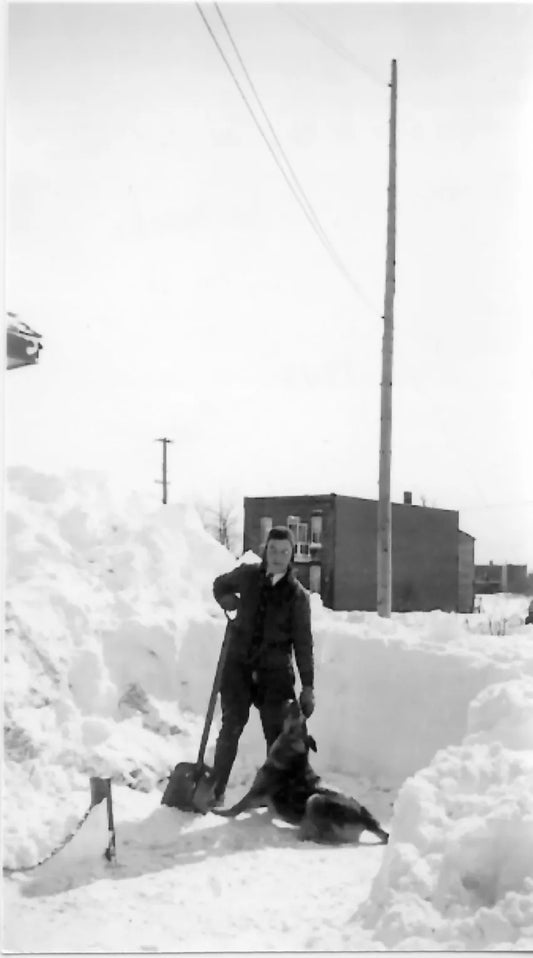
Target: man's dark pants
<point>269,692</point>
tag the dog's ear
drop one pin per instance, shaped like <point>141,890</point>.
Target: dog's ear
<point>311,743</point>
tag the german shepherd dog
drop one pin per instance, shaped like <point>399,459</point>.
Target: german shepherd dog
<point>287,783</point>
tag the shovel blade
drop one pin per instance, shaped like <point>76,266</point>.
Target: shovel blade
<point>189,788</point>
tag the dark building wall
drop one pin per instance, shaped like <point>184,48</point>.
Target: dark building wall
<point>466,590</point>
<point>424,557</point>
<point>517,579</point>
<point>279,509</point>
<point>355,554</point>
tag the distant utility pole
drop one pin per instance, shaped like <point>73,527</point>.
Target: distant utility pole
<point>164,481</point>
<point>384,557</point>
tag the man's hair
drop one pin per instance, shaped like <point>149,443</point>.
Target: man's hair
<point>280,534</point>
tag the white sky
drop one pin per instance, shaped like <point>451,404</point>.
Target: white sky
<point>181,292</point>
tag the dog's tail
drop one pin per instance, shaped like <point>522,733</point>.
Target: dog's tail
<point>247,802</point>
<point>382,834</point>
<point>372,825</point>
<point>230,812</point>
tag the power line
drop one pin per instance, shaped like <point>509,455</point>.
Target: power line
<point>309,213</point>
<point>309,216</point>
<point>299,187</point>
<point>272,130</point>
<point>333,44</point>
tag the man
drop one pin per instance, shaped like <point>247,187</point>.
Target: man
<point>273,620</point>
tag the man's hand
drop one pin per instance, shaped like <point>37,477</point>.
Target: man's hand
<point>229,602</point>
<point>307,701</point>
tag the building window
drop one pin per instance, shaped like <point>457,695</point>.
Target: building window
<point>302,550</point>
<point>315,578</point>
<point>292,524</point>
<point>300,534</point>
<point>316,530</point>
<point>266,525</point>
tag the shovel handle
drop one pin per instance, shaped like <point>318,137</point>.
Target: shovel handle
<point>214,693</point>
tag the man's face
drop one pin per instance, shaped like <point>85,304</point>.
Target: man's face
<point>278,556</point>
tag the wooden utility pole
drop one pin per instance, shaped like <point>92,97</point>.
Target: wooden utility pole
<point>164,481</point>
<point>384,557</point>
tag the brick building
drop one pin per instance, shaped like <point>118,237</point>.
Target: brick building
<point>467,591</point>
<point>336,550</point>
<point>502,578</point>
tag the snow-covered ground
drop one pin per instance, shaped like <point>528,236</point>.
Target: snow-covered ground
<point>111,641</point>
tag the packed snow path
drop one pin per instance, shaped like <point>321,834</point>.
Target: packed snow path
<point>184,882</point>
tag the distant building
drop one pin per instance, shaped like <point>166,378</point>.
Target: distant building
<point>502,578</point>
<point>467,592</point>
<point>336,550</point>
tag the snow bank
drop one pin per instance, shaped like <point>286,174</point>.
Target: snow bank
<point>392,692</point>
<point>103,674</point>
<point>459,871</point>
<point>500,613</point>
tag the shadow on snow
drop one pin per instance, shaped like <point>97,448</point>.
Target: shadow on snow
<point>167,839</point>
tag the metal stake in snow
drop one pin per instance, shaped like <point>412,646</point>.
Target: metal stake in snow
<point>100,789</point>
<point>163,481</point>
<point>384,558</point>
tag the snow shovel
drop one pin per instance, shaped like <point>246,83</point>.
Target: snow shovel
<point>191,786</point>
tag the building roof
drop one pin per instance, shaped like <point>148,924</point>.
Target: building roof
<point>23,344</point>
<point>323,497</point>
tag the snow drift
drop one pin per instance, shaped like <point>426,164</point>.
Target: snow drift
<point>393,692</point>
<point>112,636</point>
<point>459,873</point>
<point>103,671</point>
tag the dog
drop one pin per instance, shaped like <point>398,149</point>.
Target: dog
<point>293,790</point>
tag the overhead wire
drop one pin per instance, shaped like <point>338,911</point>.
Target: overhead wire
<point>272,130</point>
<point>303,203</point>
<point>332,43</point>
<point>336,46</point>
<point>295,186</point>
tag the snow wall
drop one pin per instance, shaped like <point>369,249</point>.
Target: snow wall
<point>110,621</point>
<point>112,637</point>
